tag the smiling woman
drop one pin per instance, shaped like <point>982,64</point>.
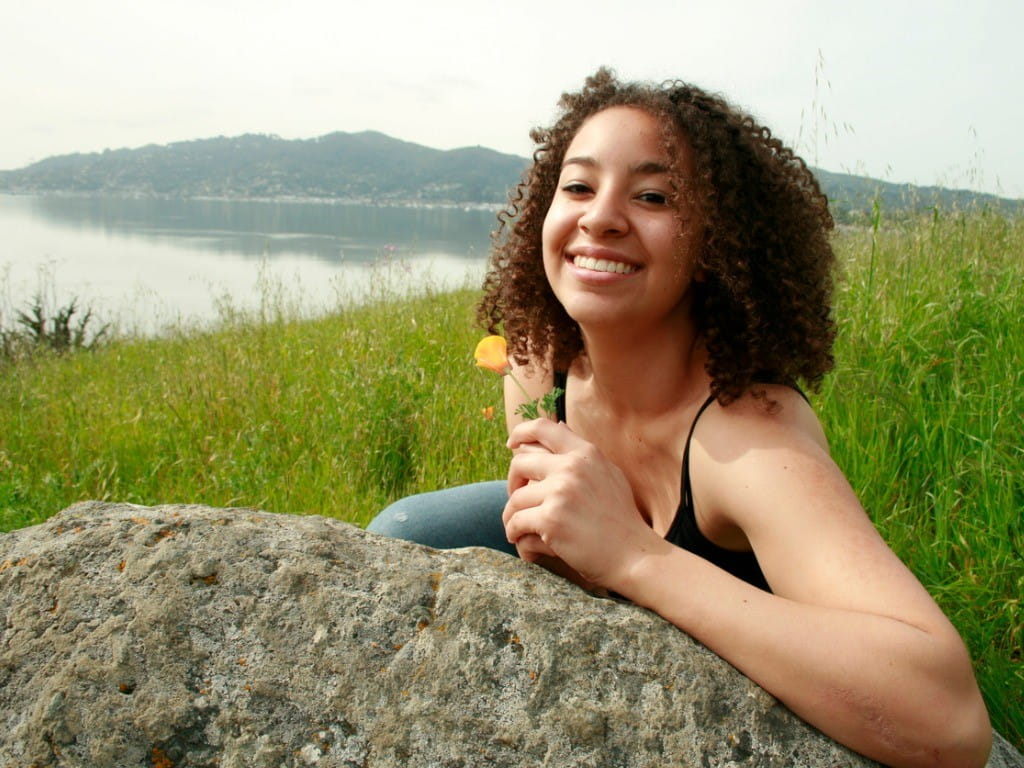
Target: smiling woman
<point>614,250</point>
<point>667,263</point>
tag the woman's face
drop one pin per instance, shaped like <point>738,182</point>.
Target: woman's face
<point>613,251</point>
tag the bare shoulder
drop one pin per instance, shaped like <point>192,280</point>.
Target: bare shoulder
<point>779,416</point>
<point>744,453</point>
<point>764,469</point>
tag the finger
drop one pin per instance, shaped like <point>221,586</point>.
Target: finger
<point>518,529</point>
<point>527,496</point>
<point>532,548</point>
<point>529,467</point>
<point>530,448</point>
<point>523,522</point>
<point>556,438</point>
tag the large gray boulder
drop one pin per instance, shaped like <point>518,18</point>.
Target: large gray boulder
<point>191,636</point>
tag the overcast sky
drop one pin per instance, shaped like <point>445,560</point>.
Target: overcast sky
<point>927,92</point>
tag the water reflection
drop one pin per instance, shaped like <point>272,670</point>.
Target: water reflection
<point>150,262</point>
<point>259,228</point>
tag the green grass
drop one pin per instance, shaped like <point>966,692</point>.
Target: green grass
<point>339,415</point>
<point>335,416</point>
<point>925,414</point>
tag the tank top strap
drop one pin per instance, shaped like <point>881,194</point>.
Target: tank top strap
<point>561,377</point>
<point>684,531</point>
<point>685,494</point>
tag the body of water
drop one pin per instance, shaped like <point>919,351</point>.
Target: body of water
<point>149,263</point>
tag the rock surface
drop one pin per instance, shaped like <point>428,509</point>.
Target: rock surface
<point>191,636</point>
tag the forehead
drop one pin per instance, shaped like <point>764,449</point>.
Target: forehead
<point>627,133</point>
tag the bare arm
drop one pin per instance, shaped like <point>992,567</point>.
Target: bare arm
<point>849,639</point>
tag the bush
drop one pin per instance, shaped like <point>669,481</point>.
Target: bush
<point>55,330</point>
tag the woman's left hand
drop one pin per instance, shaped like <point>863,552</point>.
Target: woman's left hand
<point>567,500</point>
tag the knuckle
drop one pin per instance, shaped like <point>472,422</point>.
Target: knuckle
<point>576,461</point>
<point>561,488</point>
<point>550,531</point>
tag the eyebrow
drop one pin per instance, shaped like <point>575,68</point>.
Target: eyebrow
<point>647,168</point>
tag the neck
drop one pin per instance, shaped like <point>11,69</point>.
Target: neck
<point>645,373</point>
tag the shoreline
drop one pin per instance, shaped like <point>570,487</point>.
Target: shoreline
<point>296,199</point>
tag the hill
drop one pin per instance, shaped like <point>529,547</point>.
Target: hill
<point>372,167</point>
<point>852,197</point>
<point>367,166</point>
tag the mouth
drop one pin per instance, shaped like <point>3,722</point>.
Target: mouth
<point>603,265</point>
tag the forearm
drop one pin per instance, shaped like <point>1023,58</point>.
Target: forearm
<point>879,685</point>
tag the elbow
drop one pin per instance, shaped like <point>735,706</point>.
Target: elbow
<point>945,726</point>
<point>966,731</point>
<point>958,725</point>
<point>960,735</point>
<point>968,741</point>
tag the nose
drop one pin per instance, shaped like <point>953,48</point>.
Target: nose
<point>604,216</point>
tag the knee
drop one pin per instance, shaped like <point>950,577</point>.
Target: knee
<point>464,516</point>
<point>393,521</point>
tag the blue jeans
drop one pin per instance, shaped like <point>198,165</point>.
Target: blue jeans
<point>464,516</point>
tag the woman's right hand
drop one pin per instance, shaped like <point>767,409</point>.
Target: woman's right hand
<point>567,501</point>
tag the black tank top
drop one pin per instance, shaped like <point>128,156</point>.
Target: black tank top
<point>684,532</point>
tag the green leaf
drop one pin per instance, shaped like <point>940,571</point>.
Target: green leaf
<point>528,410</point>
<point>548,404</point>
<point>550,401</point>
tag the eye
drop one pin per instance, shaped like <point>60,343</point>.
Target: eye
<point>575,188</point>
<point>655,198</point>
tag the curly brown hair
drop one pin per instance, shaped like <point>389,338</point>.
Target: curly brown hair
<point>764,305</point>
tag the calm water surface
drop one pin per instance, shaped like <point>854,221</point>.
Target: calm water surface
<point>150,263</point>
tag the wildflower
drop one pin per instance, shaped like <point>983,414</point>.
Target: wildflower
<point>492,353</point>
<point>488,413</point>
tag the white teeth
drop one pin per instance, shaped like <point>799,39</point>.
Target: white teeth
<point>603,265</point>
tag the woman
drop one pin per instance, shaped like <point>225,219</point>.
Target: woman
<point>667,263</point>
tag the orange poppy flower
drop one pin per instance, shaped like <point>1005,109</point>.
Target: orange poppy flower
<point>492,353</point>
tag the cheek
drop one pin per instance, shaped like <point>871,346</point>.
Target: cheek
<point>552,242</point>
<point>545,230</point>
<point>550,238</point>
<point>550,229</point>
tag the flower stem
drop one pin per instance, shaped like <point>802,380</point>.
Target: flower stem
<point>531,408</point>
<point>518,384</point>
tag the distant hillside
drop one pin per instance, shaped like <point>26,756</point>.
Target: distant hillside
<point>367,166</point>
<point>372,167</point>
<point>852,197</point>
